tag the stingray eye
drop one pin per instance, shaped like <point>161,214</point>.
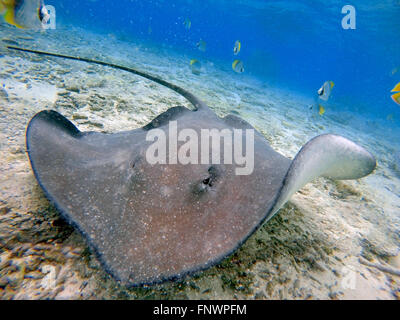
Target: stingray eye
<point>208,181</point>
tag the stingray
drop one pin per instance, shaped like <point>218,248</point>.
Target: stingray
<point>151,222</point>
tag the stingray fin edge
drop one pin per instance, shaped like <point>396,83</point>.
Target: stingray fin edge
<point>329,156</point>
<point>164,118</point>
<point>56,119</point>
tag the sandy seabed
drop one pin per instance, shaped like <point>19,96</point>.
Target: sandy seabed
<point>332,240</point>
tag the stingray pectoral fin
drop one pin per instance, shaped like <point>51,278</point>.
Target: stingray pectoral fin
<point>329,156</point>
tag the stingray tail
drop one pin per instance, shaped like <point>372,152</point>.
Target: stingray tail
<point>196,102</point>
<point>328,156</point>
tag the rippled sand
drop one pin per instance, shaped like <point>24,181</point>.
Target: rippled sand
<point>333,240</point>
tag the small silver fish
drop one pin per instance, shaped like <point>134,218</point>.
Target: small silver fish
<point>195,66</point>
<point>201,45</point>
<point>237,66</point>
<point>237,47</point>
<point>325,91</point>
<point>187,23</point>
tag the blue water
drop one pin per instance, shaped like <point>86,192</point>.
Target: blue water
<point>296,45</point>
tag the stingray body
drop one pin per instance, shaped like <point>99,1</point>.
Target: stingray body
<point>152,222</point>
